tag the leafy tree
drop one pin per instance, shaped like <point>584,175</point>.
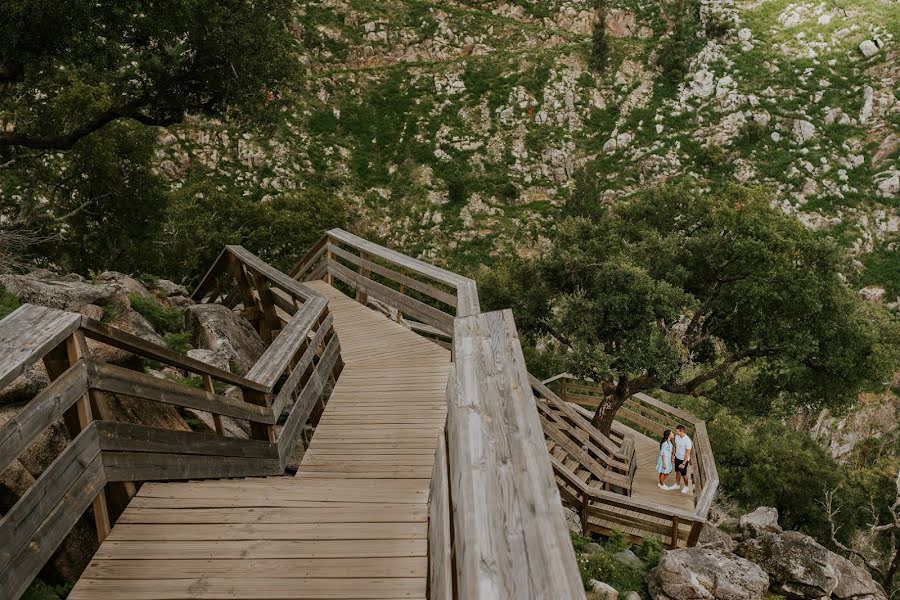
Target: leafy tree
<point>202,219</point>
<point>719,296</point>
<point>599,41</point>
<point>71,67</point>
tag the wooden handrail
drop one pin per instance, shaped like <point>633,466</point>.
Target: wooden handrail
<point>302,358</point>
<point>509,533</point>
<point>338,253</point>
<point>654,415</point>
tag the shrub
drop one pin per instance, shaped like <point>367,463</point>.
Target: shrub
<point>456,190</point>
<point>164,320</point>
<point>599,42</point>
<point>179,342</point>
<point>8,303</point>
<point>38,590</point>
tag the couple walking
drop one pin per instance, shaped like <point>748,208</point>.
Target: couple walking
<point>674,453</point>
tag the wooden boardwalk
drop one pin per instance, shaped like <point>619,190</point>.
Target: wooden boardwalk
<point>352,524</point>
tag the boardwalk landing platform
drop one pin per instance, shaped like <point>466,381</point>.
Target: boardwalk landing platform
<point>352,524</point>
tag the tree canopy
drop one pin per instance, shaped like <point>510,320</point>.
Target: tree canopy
<point>70,67</point>
<point>700,294</point>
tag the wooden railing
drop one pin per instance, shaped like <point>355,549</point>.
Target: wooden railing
<point>496,526</point>
<point>421,296</point>
<point>281,394</point>
<point>650,416</point>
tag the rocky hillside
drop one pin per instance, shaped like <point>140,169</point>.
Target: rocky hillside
<point>455,130</point>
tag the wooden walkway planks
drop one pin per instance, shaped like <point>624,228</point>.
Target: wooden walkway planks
<point>352,524</point>
<point>645,477</point>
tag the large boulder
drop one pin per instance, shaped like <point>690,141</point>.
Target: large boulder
<point>700,573</point>
<point>218,328</point>
<point>69,292</point>
<point>800,568</point>
<point>762,520</point>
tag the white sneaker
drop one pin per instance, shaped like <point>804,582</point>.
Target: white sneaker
<point>661,486</point>
<point>674,486</point>
<point>685,490</point>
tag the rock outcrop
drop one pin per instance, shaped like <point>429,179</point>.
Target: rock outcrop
<point>762,520</point>
<point>700,573</point>
<point>799,567</point>
<point>217,328</point>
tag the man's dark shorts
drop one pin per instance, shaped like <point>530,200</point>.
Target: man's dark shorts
<point>681,466</point>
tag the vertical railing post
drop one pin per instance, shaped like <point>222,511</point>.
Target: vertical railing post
<point>361,296</point>
<point>77,418</point>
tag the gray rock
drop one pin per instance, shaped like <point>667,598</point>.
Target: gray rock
<point>65,293</point>
<point>218,328</point>
<point>803,130</point>
<point>593,548</point>
<point>573,521</point>
<point>210,357</point>
<point>713,537</point>
<point>170,288</point>
<point>868,48</point>
<point>603,590</point>
<point>763,519</point>
<point>632,596</point>
<point>629,559</point>
<point>125,283</point>
<point>704,573</point>
<point>801,568</point>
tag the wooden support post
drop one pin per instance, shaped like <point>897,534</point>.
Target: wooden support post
<point>361,296</point>
<point>674,532</point>
<point>585,503</point>
<point>57,361</point>
<point>260,431</point>
<point>271,321</point>
<point>694,535</point>
<point>210,387</point>
<point>251,308</point>
<point>329,258</point>
<point>402,291</point>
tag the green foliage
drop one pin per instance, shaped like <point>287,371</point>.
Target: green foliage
<point>39,590</point>
<point>112,204</point>
<point>599,42</point>
<point>765,463</point>
<point>456,191</point>
<point>201,220</point>
<point>675,50</point>
<point>603,566</point>
<point>163,319</point>
<point>8,302</point>
<point>178,341</point>
<point>771,324</point>
<point>86,63</point>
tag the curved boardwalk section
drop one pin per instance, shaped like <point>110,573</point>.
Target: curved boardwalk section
<point>352,524</point>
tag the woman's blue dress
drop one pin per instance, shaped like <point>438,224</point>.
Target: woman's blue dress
<point>665,449</point>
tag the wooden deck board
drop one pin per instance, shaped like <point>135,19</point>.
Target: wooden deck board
<point>352,524</point>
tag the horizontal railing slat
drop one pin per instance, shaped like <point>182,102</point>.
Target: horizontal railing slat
<point>29,333</point>
<point>118,380</point>
<point>131,343</point>
<point>128,437</point>
<point>428,290</point>
<point>45,408</point>
<point>278,355</point>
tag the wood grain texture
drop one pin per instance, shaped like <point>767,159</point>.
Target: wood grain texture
<point>510,536</point>
<point>352,524</point>
<point>28,333</point>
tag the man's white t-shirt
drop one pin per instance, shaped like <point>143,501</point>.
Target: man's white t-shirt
<point>682,445</point>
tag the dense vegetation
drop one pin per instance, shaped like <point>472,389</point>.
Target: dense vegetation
<point>713,295</point>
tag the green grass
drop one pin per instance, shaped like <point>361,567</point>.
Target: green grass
<point>38,590</point>
<point>8,303</point>
<point>163,319</point>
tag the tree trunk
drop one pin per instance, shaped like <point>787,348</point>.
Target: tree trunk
<point>891,574</point>
<point>606,411</point>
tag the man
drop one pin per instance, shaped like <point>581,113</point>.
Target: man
<point>683,448</point>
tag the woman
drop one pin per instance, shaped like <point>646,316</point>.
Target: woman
<point>664,460</point>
